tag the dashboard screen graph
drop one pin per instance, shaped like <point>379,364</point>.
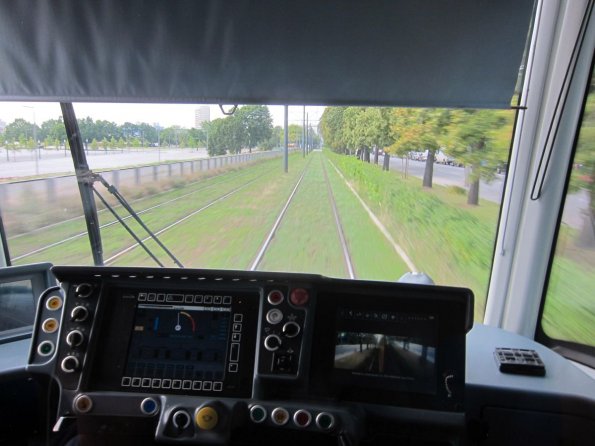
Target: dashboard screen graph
<point>177,342</point>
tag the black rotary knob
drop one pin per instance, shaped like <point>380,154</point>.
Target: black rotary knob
<point>272,342</point>
<point>83,290</point>
<point>180,420</point>
<point>291,329</point>
<point>79,314</point>
<point>75,338</point>
<point>70,364</point>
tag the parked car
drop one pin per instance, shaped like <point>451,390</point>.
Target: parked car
<point>442,158</point>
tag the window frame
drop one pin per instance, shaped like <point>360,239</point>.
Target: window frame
<point>582,353</point>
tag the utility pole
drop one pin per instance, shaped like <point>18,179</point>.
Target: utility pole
<point>304,133</point>
<point>286,141</point>
<point>307,135</point>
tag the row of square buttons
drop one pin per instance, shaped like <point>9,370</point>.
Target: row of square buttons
<point>176,384</point>
<point>181,298</point>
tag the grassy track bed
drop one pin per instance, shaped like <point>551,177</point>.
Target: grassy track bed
<point>372,256</point>
<point>228,234</point>
<point>307,239</point>
<point>451,244</point>
<point>57,230</point>
<point>114,236</point>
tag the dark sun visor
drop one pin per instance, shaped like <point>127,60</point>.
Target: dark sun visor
<point>438,53</point>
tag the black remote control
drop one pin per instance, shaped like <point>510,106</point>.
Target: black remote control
<point>519,361</point>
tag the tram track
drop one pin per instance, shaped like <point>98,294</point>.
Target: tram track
<point>102,211</point>
<point>340,231</point>
<point>282,214</point>
<point>144,211</point>
<point>115,256</point>
<point>272,232</point>
<point>397,248</point>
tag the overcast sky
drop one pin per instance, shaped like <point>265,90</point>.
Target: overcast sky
<point>164,114</point>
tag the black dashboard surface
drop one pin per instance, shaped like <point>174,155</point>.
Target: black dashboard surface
<point>269,356</point>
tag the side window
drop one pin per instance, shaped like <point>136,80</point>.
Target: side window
<point>20,286</point>
<point>17,307</point>
<point>569,308</point>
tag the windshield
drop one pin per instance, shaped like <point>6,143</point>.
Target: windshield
<point>369,193</point>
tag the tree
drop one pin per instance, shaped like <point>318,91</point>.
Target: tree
<point>375,123</point>
<point>52,129</point>
<point>276,139</point>
<point>295,134</point>
<point>225,135</point>
<point>234,134</point>
<point>481,140</point>
<point>170,135</point>
<point>147,133</point>
<point>331,128</point>
<point>257,124</point>
<point>198,135</point>
<point>354,133</point>
<point>19,130</point>
<point>420,130</point>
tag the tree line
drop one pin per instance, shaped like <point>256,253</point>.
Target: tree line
<point>252,126</point>
<point>99,134</point>
<point>478,139</point>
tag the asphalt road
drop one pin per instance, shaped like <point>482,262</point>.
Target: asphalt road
<point>576,204</point>
<point>23,164</point>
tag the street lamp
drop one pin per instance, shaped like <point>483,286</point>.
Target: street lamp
<point>36,153</point>
<point>158,128</point>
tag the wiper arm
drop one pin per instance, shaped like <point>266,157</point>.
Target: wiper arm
<point>128,228</point>
<point>86,179</point>
<point>116,193</point>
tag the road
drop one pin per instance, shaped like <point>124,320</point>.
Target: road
<point>53,162</point>
<point>576,204</point>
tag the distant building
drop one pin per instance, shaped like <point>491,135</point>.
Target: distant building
<point>2,126</point>
<point>201,115</point>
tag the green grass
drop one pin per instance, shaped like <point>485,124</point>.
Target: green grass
<point>229,234</point>
<point>307,239</point>
<point>569,311</point>
<point>453,242</point>
<point>444,239</point>
<point>372,257</point>
<point>115,236</point>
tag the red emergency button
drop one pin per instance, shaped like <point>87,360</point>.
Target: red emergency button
<point>299,297</point>
<point>275,297</point>
<point>302,418</point>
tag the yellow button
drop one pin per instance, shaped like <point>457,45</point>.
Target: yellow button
<point>207,418</point>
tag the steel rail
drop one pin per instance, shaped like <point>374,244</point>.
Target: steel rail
<point>269,238</point>
<point>340,231</point>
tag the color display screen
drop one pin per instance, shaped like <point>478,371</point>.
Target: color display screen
<point>386,349</point>
<point>179,342</point>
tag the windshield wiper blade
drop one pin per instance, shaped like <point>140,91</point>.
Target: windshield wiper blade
<point>81,167</point>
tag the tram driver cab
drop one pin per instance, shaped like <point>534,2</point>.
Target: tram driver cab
<point>256,340</point>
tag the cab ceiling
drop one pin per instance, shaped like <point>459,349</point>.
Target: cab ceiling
<point>463,53</point>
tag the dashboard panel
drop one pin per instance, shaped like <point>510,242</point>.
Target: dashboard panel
<point>202,355</point>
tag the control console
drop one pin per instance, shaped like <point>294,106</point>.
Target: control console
<point>200,356</point>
